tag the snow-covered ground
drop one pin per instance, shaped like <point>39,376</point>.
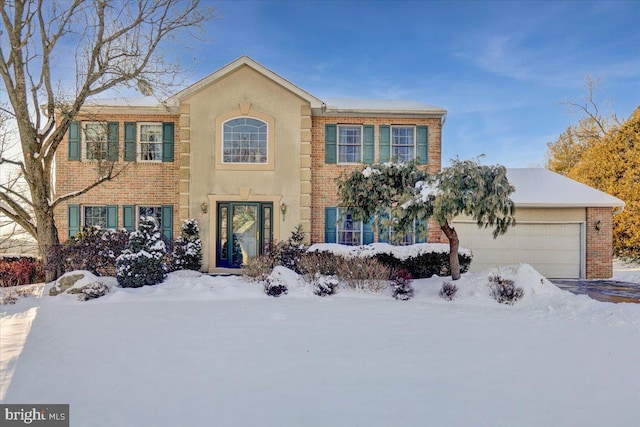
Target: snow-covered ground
<point>216,351</point>
<point>626,271</point>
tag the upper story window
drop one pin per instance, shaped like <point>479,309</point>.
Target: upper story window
<point>403,142</point>
<point>150,142</point>
<point>349,144</point>
<point>95,145</point>
<point>245,140</point>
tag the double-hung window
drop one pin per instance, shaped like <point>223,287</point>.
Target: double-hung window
<point>349,231</point>
<point>349,144</point>
<point>95,145</point>
<point>150,142</point>
<point>403,143</point>
<point>245,140</point>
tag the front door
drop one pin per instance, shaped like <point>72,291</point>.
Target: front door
<point>244,231</point>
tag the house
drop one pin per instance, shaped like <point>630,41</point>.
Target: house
<point>250,156</point>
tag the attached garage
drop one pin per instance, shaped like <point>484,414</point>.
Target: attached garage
<point>563,228</point>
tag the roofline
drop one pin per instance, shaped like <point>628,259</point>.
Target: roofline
<point>570,205</point>
<point>242,61</point>
<point>360,112</point>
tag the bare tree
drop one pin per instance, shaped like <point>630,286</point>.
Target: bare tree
<point>117,45</point>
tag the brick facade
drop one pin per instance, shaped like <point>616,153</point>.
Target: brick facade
<point>140,184</point>
<point>323,182</point>
<point>599,244</point>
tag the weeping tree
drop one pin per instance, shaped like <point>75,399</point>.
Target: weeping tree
<point>401,195</point>
<point>108,45</point>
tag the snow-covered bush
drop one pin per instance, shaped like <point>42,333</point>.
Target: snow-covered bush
<point>289,252</point>
<point>448,291</point>
<point>401,285</point>
<point>93,291</point>
<point>504,291</point>
<point>325,285</point>
<point>275,287</point>
<point>142,262</point>
<point>364,274</point>
<point>187,250</point>
<point>93,249</point>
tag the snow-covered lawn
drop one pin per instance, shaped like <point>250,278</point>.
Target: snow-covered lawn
<point>626,271</point>
<point>204,351</point>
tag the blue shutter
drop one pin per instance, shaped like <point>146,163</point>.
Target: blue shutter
<point>129,217</point>
<point>74,141</point>
<point>129,142</point>
<point>73,220</point>
<point>421,231</point>
<point>113,131</point>
<point>385,143</point>
<point>330,218</point>
<point>368,143</point>
<point>167,221</point>
<point>422,144</point>
<point>383,232</point>
<point>367,232</point>
<point>330,143</point>
<point>112,216</point>
<point>167,142</point>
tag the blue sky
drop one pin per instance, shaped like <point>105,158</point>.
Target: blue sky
<point>501,69</point>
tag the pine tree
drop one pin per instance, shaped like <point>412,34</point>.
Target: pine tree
<point>187,252</point>
<point>142,262</point>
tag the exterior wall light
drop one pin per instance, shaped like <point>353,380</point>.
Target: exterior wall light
<point>204,207</point>
<point>283,210</point>
<point>598,225</point>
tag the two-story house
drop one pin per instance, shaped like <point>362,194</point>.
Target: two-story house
<point>249,155</point>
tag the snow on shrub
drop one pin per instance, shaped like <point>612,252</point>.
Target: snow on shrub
<point>187,251</point>
<point>325,285</point>
<point>93,291</point>
<point>421,260</point>
<point>401,285</point>
<point>142,261</point>
<point>504,291</point>
<point>275,287</point>
<point>448,291</point>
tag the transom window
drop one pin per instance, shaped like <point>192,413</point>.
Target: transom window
<point>154,212</point>
<point>349,144</point>
<point>349,231</point>
<point>95,216</point>
<point>403,142</point>
<point>150,142</point>
<point>95,141</point>
<point>244,141</point>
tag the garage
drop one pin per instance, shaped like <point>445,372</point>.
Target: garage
<point>563,228</point>
<point>553,249</point>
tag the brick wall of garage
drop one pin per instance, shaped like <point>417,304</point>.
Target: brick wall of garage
<point>599,244</point>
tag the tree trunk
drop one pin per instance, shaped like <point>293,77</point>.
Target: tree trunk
<point>48,242</point>
<point>454,244</point>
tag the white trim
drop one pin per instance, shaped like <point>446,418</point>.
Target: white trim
<point>83,139</point>
<point>222,133</point>
<point>391,128</point>
<point>82,216</point>
<point>338,143</point>
<point>339,220</point>
<point>139,142</point>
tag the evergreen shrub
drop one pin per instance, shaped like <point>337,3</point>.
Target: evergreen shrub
<point>142,261</point>
<point>187,250</point>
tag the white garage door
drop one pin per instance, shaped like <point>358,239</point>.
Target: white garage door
<point>553,249</point>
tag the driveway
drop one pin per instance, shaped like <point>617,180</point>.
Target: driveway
<point>602,290</point>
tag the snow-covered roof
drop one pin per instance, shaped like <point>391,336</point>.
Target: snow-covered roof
<point>140,101</point>
<point>381,106</point>
<point>539,187</point>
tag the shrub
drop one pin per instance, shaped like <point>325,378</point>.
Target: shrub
<point>258,267</point>
<point>366,274</point>
<point>448,291</point>
<point>315,264</point>
<point>142,262</point>
<point>504,291</point>
<point>93,291</point>
<point>20,271</point>
<point>274,287</point>
<point>93,249</point>
<point>289,252</point>
<point>187,251</point>
<point>426,264</point>
<point>401,285</point>
<point>325,285</point>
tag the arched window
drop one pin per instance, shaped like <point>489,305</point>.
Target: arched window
<point>245,140</point>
